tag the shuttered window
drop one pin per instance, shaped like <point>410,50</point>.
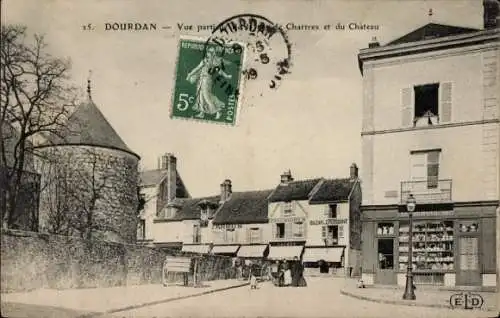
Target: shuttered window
<point>407,107</point>
<point>446,101</point>
<point>425,167</point>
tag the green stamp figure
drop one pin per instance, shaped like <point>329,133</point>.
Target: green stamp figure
<point>207,81</point>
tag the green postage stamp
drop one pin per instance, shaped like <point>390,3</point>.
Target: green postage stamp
<point>207,81</point>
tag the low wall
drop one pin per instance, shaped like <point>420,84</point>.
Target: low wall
<point>33,260</point>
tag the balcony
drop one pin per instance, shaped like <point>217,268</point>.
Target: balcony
<point>283,238</point>
<point>427,191</point>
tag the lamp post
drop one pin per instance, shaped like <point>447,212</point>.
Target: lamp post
<point>409,294</point>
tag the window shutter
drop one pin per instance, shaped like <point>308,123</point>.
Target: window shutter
<point>249,236</point>
<point>323,232</point>
<point>446,98</point>
<point>327,211</point>
<point>288,229</point>
<point>275,230</point>
<point>341,231</point>
<point>406,107</point>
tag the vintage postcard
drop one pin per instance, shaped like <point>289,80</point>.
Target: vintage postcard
<point>250,158</point>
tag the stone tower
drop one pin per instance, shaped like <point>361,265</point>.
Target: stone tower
<point>89,179</point>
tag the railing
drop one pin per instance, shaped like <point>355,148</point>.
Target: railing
<point>427,191</point>
<point>289,238</point>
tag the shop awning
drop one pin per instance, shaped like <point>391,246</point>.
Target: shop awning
<point>225,249</point>
<point>251,251</point>
<point>328,254</point>
<point>200,249</point>
<point>285,252</point>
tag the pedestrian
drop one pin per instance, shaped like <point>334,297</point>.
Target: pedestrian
<point>253,277</point>
<point>287,275</point>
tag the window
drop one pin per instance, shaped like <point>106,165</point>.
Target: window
<point>204,217</point>
<point>331,211</point>
<point>169,212</point>
<point>196,234</point>
<point>280,230</point>
<point>426,100</point>
<point>141,230</point>
<point>255,235</point>
<point>230,236</point>
<point>298,229</point>
<point>425,167</point>
<point>287,208</point>
<point>331,233</point>
<point>386,253</point>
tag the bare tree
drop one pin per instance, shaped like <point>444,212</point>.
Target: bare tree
<point>36,99</point>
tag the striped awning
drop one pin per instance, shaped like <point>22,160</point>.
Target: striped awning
<point>328,254</point>
<point>285,252</point>
<point>251,251</point>
<point>225,249</point>
<point>196,248</point>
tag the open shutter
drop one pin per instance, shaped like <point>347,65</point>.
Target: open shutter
<point>445,99</point>
<point>323,232</point>
<point>288,229</point>
<point>249,235</point>
<point>419,166</point>
<point>406,106</point>
<point>275,230</point>
<point>341,231</point>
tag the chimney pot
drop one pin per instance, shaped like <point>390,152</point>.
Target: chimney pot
<point>225,190</point>
<point>286,177</point>
<point>353,171</point>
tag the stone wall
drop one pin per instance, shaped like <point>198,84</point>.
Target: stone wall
<point>33,260</point>
<point>76,177</point>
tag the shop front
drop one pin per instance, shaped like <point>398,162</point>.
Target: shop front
<point>323,260</point>
<point>453,245</point>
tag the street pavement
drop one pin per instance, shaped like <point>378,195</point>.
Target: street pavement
<point>321,298</point>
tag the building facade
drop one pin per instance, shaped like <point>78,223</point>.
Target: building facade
<point>158,187</point>
<point>318,221</point>
<point>431,129</point>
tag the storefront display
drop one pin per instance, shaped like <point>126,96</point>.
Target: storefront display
<point>433,246</point>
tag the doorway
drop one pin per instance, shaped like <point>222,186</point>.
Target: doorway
<point>385,273</point>
<point>468,273</point>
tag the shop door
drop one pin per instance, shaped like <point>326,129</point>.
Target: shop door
<point>385,274</point>
<point>468,273</point>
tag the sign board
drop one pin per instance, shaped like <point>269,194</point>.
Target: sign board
<point>226,226</point>
<point>287,220</point>
<point>328,222</point>
<point>177,264</point>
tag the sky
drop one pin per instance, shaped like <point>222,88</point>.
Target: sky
<point>311,124</point>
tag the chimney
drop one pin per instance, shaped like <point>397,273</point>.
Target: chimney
<point>491,9</point>
<point>373,43</point>
<point>286,177</point>
<point>225,190</point>
<point>353,171</point>
<point>169,163</point>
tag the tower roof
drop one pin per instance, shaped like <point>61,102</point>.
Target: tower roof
<point>430,31</point>
<point>88,126</point>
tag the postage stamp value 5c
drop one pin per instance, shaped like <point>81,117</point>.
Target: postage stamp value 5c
<point>208,80</point>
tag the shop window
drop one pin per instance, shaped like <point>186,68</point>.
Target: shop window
<point>385,228</point>
<point>331,211</point>
<point>386,253</point>
<point>468,227</point>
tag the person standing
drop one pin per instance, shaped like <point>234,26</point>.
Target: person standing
<point>295,271</point>
<point>287,275</point>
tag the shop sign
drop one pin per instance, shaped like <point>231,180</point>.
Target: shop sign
<point>427,213</point>
<point>227,226</point>
<point>287,220</point>
<point>328,222</point>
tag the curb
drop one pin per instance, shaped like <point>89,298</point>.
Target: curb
<point>162,301</point>
<point>402,302</point>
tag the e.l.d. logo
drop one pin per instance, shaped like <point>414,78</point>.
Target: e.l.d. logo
<point>466,300</point>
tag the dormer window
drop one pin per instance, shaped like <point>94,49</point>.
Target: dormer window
<point>204,217</point>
